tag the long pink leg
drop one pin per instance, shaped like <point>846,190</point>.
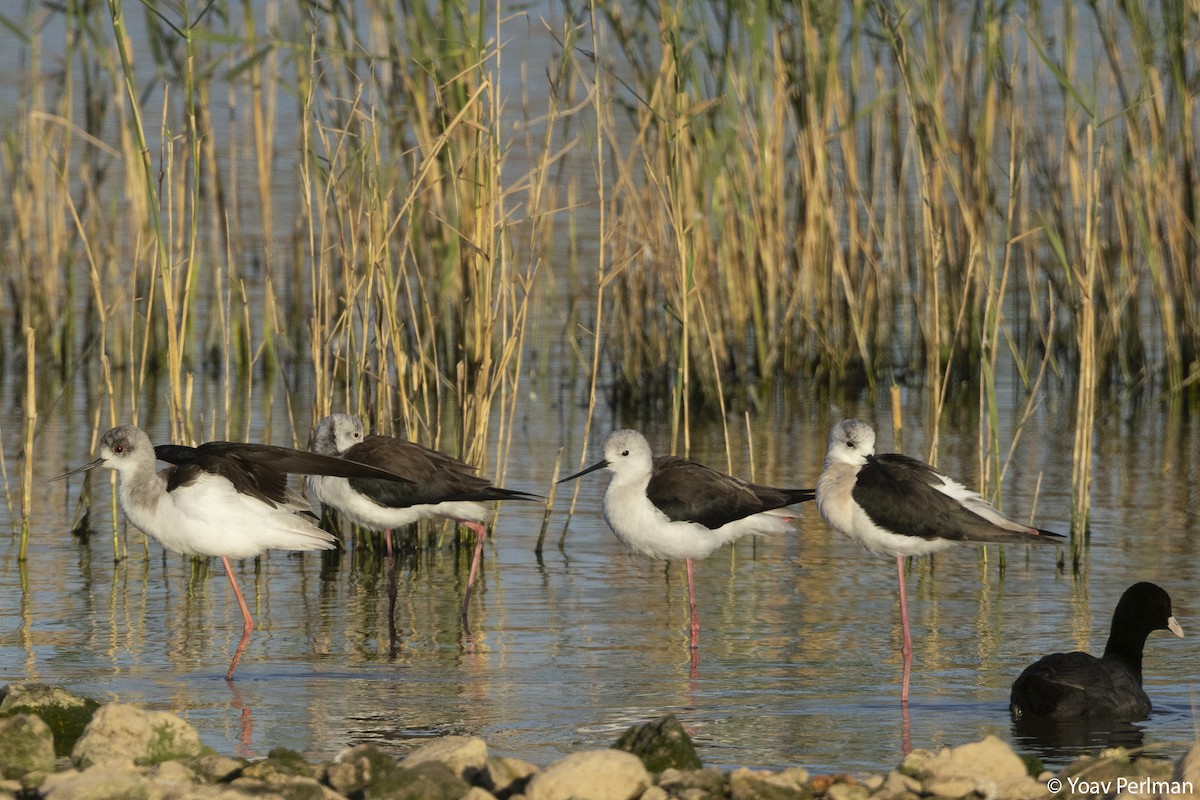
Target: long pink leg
<point>247,620</point>
<point>387,539</point>
<point>692,605</point>
<point>480,535</point>
<point>906,646</point>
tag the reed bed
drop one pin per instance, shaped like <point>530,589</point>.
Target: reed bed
<point>829,197</point>
<point>231,192</point>
<point>844,195</point>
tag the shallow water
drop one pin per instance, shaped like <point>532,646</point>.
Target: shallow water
<point>798,663</point>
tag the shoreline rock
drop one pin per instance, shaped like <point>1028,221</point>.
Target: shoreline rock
<point>123,751</point>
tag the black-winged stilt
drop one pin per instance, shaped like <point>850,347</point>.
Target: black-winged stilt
<point>676,509</point>
<point>895,505</point>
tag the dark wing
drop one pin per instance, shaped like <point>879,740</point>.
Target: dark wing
<point>898,493</point>
<point>691,492</point>
<point>432,477</point>
<point>259,470</point>
<point>175,453</point>
<point>1075,685</point>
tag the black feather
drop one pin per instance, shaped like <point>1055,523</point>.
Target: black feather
<point>687,491</point>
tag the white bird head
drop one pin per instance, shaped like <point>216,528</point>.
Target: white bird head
<point>627,454</point>
<point>336,434</point>
<point>123,447</point>
<point>850,442</point>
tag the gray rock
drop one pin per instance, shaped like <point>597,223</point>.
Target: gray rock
<point>749,784</point>
<point>660,744</point>
<point>704,782</point>
<point>505,776</point>
<point>281,762</point>
<point>1186,775</point>
<point>112,780</point>
<point>478,793</point>
<point>281,786</point>
<point>429,781</point>
<point>120,731</point>
<point>67,714</point>
<point>896,783</point>
<point>1106,768</point>
<point>991,765</point>
<point>26,745</point>
<point>591,775</point>
<point>950,786</point>
<point>847,791</point>
<point>215,768</point>
<point>465,756</point>
<point>359,767</point>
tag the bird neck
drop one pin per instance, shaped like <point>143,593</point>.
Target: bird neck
<point>139,495</point>
<point>1127,649</point>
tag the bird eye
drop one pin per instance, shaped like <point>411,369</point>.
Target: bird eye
<point>624,452</point>
<point>118,449</point>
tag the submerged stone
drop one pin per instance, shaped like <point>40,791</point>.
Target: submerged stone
<point>661,744</point>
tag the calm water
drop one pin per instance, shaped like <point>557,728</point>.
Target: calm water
<point>798,665</point>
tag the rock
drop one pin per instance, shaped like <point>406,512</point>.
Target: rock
<point>215,768</point>
<point>749,784</point>
<point>896,783</point>
<point>704,782</point>
<point>591,775</point>
<point>464,755</point>
<point>26,745</point>
<point>120,731</point>
<point>660,744</point>
<point>1186,775</point>
<point>847,791</point>
<point>67,714</point>
<point>950,786</point>
<point>655,793</point>
<point>505,776</point>
<point>359,767</point>
<point>478,793</point>
<point>107,781</point>
<point>429,781</point>
<point>281,762</point>
<point>991,765</point>
<point>1098,777</point>
<point>281,786</point>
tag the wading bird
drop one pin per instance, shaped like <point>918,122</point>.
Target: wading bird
<point>676,509</point>
<point>220,499</point>
<point>438,485</point>
<point>895,505</point>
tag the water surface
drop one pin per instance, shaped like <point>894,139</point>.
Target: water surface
<point>799,661</point>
